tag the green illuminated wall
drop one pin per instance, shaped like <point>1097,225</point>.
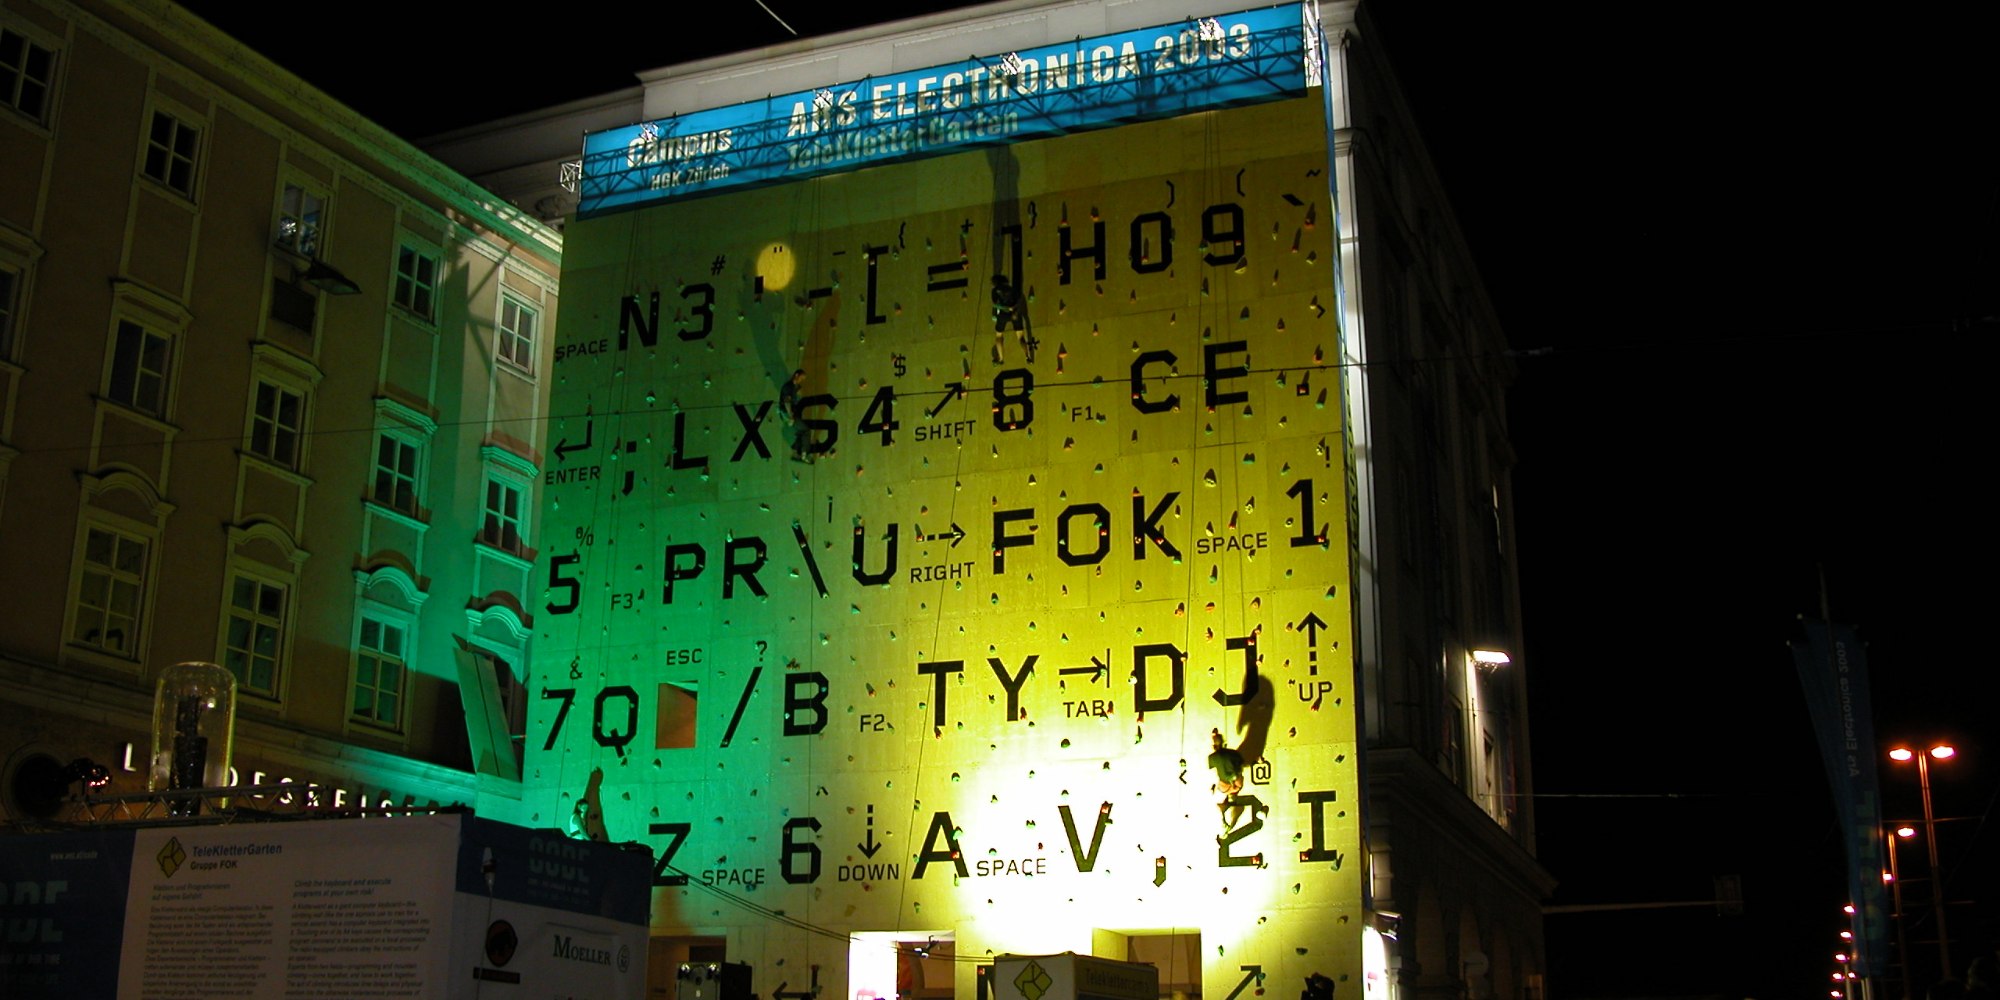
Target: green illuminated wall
<point>958,672</point>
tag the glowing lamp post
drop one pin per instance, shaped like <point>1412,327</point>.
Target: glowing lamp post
<point>1894,877</point>
<point>1940,751</point>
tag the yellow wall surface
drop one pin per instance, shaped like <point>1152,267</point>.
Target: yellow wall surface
<point>957,675</point>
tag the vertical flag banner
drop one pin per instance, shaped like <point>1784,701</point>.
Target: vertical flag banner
<point>1833,667</point>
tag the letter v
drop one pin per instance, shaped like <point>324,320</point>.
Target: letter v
<point>1085,862</point>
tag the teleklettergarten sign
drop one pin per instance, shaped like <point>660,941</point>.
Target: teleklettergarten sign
<point>1089,83</point>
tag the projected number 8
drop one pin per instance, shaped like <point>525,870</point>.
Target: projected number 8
<point>1013,409</point>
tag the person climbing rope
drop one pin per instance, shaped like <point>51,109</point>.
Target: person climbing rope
<point>1010,309</point>
<point>1228,767</point>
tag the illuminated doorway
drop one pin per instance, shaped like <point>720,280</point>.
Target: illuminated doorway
<point>1176,953</point>
<point>901,965</point>
<point>666,955</point>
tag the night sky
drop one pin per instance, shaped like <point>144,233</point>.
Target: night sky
<point>1750,267</point>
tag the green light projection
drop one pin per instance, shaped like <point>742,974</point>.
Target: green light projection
<point>960,666</point>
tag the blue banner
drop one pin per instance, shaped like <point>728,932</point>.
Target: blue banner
<point>1833,668</point>
<point>63,913</point>
<point>1158,72</point>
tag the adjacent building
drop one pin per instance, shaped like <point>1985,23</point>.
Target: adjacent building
<point>272,395</point>
<point>960,425</point>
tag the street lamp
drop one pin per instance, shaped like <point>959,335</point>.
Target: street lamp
<point>1894,877</point>
<point>1941,751</point>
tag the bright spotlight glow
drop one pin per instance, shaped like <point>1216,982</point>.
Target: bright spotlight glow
<point>1901,753</point>
<point>1847,935</point>
<point>1491,658</point>
<point>1943,752</point>
<point>1906,832</point>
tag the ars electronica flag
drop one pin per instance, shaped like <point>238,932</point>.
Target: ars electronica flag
<point>1833,668</point>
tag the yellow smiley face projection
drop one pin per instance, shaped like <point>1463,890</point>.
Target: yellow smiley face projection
<point>1020,615</point>
<point>775,265</point>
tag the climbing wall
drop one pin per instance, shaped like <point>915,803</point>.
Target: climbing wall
<point>954,669</point>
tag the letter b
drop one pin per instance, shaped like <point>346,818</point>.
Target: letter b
<point>797,703</point>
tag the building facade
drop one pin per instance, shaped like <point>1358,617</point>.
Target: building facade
<point>272,388</point>
<point>1450,791</point>
<point>1221,455</point>
<point>952,450</point>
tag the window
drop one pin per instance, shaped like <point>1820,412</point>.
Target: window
<point>387,605</point>
<point>378,674</point>
<point>678,709</point>
<point>18,255</point>
<point>10,283</point>
<point>170,149</point>
<point>275,423</point>
<point>517,334</point>
<point>26,71</point>
<point>508,703</point>
<point>301,218</point>
<point>108,591</point>
<point>503,528</point>
<point>395,474</point>
<point>139,360</point>
<point>253,635</point>
<point>293,305</point>
<point>493,692</point>
<point>513,706</point>
<point>416,281</point>
<point>396,480</point>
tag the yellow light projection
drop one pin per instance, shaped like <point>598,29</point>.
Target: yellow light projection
<point>773,268</point>
<point>1069,501</point>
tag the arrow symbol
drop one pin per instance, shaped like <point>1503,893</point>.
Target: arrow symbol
<point>1250,973</point>
<point>870,846</point>
<point>1310,625</point>
<point>563,447</point>
<point>955,392</point>
<point>1098,669</point>
<point>956,534</point>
